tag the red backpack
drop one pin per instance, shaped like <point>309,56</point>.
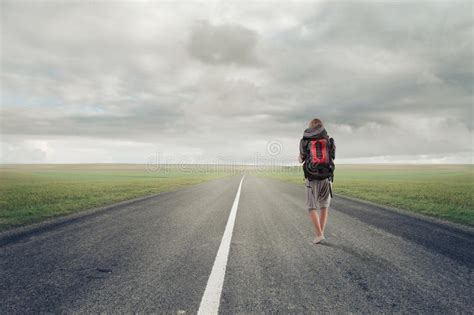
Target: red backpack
<point>320,152</point>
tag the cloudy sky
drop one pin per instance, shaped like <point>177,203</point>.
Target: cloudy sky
<point>110,81</point>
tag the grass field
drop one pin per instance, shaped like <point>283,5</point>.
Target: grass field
<point>32,193</point>
<point>443,191</point>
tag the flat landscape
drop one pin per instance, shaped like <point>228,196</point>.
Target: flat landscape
<point>32,193</point>
<point>159,255</point>
<point>149,157</point>
<point>442,191</point>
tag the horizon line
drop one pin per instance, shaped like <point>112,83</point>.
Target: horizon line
<point>233,164</point>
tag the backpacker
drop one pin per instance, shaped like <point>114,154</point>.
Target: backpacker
<point>320,151</point>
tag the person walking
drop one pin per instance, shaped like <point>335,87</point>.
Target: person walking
<point>317,153</point>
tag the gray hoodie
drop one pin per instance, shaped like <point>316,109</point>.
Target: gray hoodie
<point>308,134</point>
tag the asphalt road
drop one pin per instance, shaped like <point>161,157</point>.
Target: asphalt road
<point>156,255</point>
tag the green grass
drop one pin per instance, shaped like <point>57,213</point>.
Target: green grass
<point>32,193</point>
<point>443,191</point>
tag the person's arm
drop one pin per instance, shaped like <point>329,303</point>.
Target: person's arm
<point>333,148</point>
<point>302,156</point>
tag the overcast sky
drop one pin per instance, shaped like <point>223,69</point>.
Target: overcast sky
<point>224,81</point>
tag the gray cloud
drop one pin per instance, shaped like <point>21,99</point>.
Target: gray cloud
<point>188,77</point>
<point>223,44</point>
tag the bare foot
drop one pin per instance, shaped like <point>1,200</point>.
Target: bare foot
<point>318,239</point>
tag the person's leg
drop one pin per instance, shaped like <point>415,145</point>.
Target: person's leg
<point>314,218</point>
<point>324,199</point>
<point>312,204</point>
<point>323,218</point>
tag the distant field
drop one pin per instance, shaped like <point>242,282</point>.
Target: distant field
<point>32,193</point>
<point>443,191</point>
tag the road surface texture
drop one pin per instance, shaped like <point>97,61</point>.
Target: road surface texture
<point>156,255</point>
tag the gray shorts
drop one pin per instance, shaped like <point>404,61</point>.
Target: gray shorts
<point>317,194</point>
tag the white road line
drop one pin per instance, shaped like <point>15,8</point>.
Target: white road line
<point>212,295</point>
